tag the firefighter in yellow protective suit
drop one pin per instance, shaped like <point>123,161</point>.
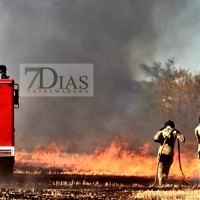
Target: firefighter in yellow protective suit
<point>166,136</point>
<point>197,135</point>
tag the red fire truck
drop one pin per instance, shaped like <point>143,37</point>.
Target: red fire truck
<point>8,101</point>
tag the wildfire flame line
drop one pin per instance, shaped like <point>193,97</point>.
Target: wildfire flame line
<point>114,160</point>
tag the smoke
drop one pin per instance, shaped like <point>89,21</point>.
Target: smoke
<point>116,36</point>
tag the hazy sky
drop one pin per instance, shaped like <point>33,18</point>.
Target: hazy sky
<point>116,36</point>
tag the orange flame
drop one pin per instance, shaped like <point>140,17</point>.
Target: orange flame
<point>114,160</point>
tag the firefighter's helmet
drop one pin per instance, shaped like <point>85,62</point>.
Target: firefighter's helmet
<point>169,123</point>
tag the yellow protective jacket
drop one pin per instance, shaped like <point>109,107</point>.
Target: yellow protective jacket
<point>197,135</point>
<point>166,152</point>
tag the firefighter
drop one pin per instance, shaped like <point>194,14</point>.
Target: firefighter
<point>197,135</point>
<point>3,69</point>
<point>166,136</point>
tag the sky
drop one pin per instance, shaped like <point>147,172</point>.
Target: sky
<point>116,37</point>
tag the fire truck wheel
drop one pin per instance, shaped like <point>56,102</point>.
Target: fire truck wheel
<point>6,172</point>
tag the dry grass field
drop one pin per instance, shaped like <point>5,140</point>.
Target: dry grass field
<point>95,187</point>
<point>87,194</point>
<point>103,192</point>
<point>166,195</point>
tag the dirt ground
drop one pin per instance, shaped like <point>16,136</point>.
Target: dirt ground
<point>134,192</point>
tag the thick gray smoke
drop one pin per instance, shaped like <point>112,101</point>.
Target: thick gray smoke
<point>116,36</point>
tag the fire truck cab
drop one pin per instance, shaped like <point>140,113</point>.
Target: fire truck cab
<point>8,101</point>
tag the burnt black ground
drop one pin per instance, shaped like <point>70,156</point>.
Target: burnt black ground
<point>77,186</point>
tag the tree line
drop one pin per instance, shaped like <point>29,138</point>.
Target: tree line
<point>176,92</point>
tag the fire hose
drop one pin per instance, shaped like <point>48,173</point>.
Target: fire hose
<point>180,166</point>
<point>179,159</point>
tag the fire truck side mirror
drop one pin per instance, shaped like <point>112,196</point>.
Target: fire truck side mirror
<point>16,95</point>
